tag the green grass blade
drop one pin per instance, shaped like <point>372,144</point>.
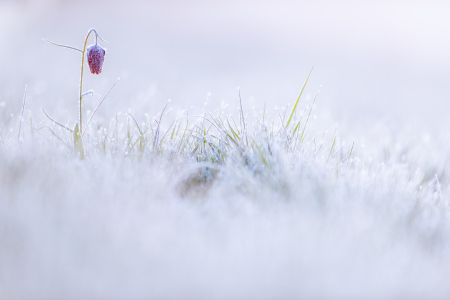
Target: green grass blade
<point>298,99</point>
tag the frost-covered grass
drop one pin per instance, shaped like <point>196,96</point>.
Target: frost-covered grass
<point>217,206</point>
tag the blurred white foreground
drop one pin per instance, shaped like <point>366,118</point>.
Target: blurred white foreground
<point>205,216</point>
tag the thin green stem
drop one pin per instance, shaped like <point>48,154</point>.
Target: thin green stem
<point>81,79</point>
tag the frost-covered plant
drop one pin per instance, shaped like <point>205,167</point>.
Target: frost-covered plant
<point>95,56</point>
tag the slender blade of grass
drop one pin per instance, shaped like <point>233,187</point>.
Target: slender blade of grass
<point>56,122</point>
<point>243,120</point>
<point>298,99</point>
<point>101,104</point>
<point>64,46</point>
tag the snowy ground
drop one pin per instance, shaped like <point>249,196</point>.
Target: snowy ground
<point>213,211</point>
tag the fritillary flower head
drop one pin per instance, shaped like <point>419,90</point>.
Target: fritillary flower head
<point>95,56</point>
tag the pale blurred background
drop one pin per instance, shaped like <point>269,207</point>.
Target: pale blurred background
<point>374,60</point>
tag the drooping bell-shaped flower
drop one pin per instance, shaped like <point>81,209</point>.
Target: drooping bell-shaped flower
<point>95,57</point>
